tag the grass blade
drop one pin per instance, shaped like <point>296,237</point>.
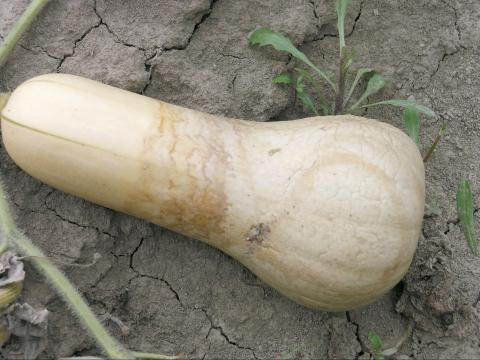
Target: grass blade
<point>360,74</point>
<point>405,104</point>
<point>435,143</point>
<point>304,97</point>
<point>307,102</point>
<point>283,79</point>
<point>465,214</point>
<point>375,84</point>
<point>341,7</point>
<point>375,345</point>
<point>411,118</point>
<point>375,341</point>
<point>346,59</point>
<point>264,37</point>
<point>303,74</point>
<point>22,25</point>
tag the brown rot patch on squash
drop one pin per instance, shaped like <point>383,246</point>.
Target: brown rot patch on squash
<point>258,233</point>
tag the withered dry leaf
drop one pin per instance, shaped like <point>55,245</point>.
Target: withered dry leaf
<point>11,279</point>
<point>30,326</point>
<point>11,269</point>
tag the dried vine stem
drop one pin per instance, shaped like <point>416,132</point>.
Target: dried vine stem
<point>19,28</point>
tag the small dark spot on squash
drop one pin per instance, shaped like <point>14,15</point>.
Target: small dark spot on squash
<point>258,233</point>
<point>274,151</point>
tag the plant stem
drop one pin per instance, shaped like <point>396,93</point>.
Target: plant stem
<point>112,348</point>
<point>142,355</point>
<point>432,148</point>
<point>7,226</point>
<point>340,93</point>
<point>19,28</point>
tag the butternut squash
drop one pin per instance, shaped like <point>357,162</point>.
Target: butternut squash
<point>327,210</point>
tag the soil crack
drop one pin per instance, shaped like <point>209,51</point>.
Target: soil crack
<point>458,46</point>
<point>42,49</point>
<point>357,18</point>
<point>315,14</point>
<point>357,334</point>
<point>325,35</point>
<point>148,53</point>
<point>75,43</point>
<point>196,27</point>
<point>457,26</point>
<point>148,67</point>
<point>456,221</point>
<point>232,56</point>
<point>113,33</point>
<point>54,211</point>
<point>444,56</point>
<point>224,335</point>
<point>161,279</point>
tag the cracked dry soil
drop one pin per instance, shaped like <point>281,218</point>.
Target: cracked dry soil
<point>179,296</point>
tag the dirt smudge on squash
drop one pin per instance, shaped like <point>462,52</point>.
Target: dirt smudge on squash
<point>274,151</point>
<point>258,233</point>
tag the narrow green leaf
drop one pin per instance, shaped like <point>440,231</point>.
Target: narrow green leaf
<point>375,342</point>
<point>360,73</point>
<point>348,63</point>
<point>405,104</point>
<point>411,118</point>
<point>375,84</point>
<point>332,77</point>
<point>341,7</point>
<point>465,214</point>
<point>435,143</point>
<point>299,86</point>
<point>303,74</point>
<point>305,98</point>
<point>307,101</point>
<point>264,37</point>
<point>283,79</point>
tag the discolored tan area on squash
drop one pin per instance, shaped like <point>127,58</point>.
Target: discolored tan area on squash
<point>175,188</point>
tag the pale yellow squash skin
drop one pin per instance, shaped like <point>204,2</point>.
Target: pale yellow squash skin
<point>327,210</point>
